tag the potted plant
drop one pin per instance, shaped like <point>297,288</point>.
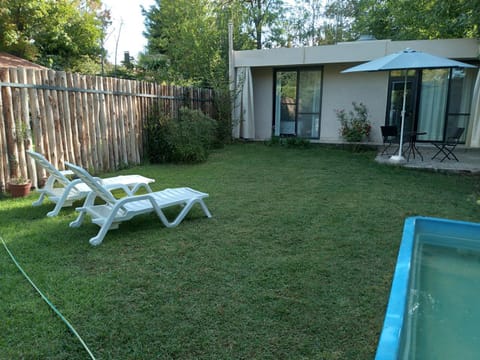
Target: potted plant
<point>19,186</point>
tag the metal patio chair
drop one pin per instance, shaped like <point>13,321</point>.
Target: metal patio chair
<point>447,147</point>
<point>390,137</point>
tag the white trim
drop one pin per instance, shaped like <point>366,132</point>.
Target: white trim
<point>352,52</point>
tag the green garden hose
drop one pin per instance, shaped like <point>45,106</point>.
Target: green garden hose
<point>70,327</point>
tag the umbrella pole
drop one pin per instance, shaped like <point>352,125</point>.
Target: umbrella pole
<point>399,158</point>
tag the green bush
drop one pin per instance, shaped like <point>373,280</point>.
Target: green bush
<point>355,126</point>
<point>187,139</point>
<point>156,131</point>
<point>298,142</point>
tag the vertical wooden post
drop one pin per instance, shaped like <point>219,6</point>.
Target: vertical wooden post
<point>10,130</point>
<point>104,129</point>
<point>66,118</point>
<point>36,125</point>
<point>72,101</point>
<point>25,124</point>
<point>57,131</point>
<point>19,123</point>
<point>88,162</point>
<point>92,123</point>
<point>121,124</point>
<point>4,162</point>
<point>49,136</point>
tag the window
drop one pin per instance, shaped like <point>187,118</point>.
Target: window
<point>459,100</point>
<point>298,103</point>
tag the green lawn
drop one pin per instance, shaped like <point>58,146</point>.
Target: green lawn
<point>296,262</point>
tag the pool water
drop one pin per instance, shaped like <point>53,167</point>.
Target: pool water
<point>443,315</point>
<point>434,307</point>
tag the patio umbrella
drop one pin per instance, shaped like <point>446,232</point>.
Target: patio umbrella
<point>406,60</point>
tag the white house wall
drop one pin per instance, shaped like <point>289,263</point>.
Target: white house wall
<point>263,99</point>
<point>340,90</point>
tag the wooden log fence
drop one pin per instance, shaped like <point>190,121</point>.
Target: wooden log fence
<point>95,122</point>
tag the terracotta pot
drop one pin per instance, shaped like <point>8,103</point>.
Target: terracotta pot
<point>19,190</point>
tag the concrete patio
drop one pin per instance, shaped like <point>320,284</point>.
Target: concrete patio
<point>469,160</point>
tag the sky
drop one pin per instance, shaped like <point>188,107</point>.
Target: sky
<point>127,28</point>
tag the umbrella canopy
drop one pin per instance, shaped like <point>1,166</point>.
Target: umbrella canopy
<point>406,60</point>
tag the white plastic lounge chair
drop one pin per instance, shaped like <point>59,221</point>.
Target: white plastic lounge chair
<point>114,211</point>
<point>63,191</point>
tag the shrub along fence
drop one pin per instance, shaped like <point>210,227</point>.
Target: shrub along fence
<point>95,122</point>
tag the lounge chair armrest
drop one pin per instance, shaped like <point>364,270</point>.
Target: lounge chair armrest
<point>134,198</point>
<point>89,200</point>
<point>49,184</point>
<point>50,181</point>
<point>66,172</point>
<point>73,184</point>
<point>125,188</point>
<point>139,186</point>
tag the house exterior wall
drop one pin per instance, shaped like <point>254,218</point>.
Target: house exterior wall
<point>339,90</point>
<point>263,100</point>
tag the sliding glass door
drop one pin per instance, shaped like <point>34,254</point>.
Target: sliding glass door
<point>433,104</point>
<point>437,101</point>
<point>286,103</point>
<point>462,83</point>
<point>298,103</point>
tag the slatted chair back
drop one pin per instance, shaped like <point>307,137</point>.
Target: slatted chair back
<point>92,183</point>
<point>47,165</point>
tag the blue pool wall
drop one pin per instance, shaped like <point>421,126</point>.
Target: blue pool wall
<point>468,235</point>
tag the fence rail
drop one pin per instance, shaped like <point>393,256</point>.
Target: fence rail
<point>95,122</point>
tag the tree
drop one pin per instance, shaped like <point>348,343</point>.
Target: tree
<point>311,22</point>
<point>62,34</point>
<point>342,14</point>
<point>183,41</point>
<point>263,15</point>
<point>188,39</point>
<point>409,19</point>
<point>18,19</point>
<point>308,23</point>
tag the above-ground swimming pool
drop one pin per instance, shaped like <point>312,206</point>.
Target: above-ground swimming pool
<point>434,306</point>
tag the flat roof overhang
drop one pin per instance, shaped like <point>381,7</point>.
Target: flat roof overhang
<point>355,52</point>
